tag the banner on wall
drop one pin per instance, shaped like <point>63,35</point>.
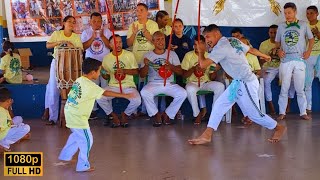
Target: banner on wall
<point>240,13</point>
<point>35,20</point>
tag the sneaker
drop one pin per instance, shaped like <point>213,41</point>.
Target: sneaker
<point>93,115</point>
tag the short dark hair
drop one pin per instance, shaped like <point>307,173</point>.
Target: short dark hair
<point>90,64</point>
<point>96,14</point>
<point>161,14</point>
<point>111,37</point>
<point>144,5</point>
<point>290,5</point>
<point>201,38</point>
<point>4,94</point>
<point>211,27</point>
<point>273,26</point>
<point>8,46</point>
<point>236,30</point>
<point>178,20</point>
<point>313,8</point>
<point>157,33</point>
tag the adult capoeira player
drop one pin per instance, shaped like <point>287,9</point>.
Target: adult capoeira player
<point>230,53</point>
<point>153,60</point>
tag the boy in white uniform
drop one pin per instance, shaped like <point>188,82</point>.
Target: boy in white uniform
<point>153,60</point>
<point>230,53</point>
<point>291,39</point>
<point>77,111</point>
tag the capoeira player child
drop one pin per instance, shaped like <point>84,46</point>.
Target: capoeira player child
<point>291,39</point>
<point>190,68</point>
<point>11,130</point>
<point>77,110</point>
<point>153,60</point>
<point>313,61</point>
<point>128,68</point>
<point>271,68</point>
<point>230,53</point>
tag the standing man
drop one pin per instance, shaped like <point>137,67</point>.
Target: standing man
<point>291,39</point>
<point>314,24</point>
<point>96,44</point>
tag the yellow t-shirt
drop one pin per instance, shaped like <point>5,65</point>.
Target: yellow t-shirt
<point>126,61</point>
<point>12,68</point>
<point>166,30</point>
<point>190,60</point>
<point>59,36</point>
<point>316,47</point>
<point>265,47</point>
<point>253,62</point>
<point>80,102</point>
<point>141,45</point>
<point>5,122</point>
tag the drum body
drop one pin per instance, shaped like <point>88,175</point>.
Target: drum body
<point>68,66</point>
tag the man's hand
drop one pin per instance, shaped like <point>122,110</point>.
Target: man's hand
<point>266,58</point>
<point>120,71</point>
<point>146,61</point>
<point>306,55</point>
<point>135,29</point>
<point>281,53</point>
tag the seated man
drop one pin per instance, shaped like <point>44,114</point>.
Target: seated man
<point>128,68</point>
<point>190,68</point>
<point>153,60</point>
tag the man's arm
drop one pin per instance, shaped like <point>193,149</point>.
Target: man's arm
<point>260,54</point>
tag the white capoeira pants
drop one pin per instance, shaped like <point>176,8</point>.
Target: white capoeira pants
<point>102,83</point>
<point>311,65</point>
<point>79,139</point>
<point>18,131</point>
<point>52,94</point>
<point>247,97</point>
<point>192,88</point>
<point>296,69</point>
<point>270,74</point>
<point>106,102</point>
<point>150,90</point>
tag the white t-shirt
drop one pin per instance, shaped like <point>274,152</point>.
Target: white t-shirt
<point>98,49</point>
<point>231,54</point>
<point>156,61</point>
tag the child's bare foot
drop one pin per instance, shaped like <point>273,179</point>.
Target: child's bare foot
<point>88,170</point>
<point>279,131</point>
<point>281,117</point>
<point>305,117</point>
<point>203,139</point>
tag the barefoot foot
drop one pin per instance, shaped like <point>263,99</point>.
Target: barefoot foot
<point>203,139</point>
<point>281,117</point>
<point>279,131</point>
<point>305,117</point>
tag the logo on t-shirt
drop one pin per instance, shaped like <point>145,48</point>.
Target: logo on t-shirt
<point>140,38</point>
<point>291,37</point>
<point>15,66</point>
<point>235,43</point>
<point>157,63</point>
<point>185,45</point>
<point>96,47</point>
<point>121,65</point>
<point>75,94</point>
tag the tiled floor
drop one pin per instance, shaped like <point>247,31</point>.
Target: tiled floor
<point>148,153</point>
